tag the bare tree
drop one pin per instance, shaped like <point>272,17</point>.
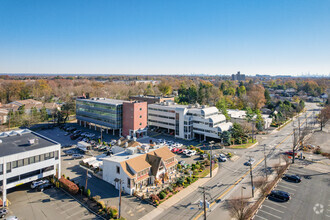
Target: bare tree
<point>324,116</point>
<point>260,182</point>
<point>238,208</point>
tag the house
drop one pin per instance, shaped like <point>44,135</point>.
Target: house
<point>29,104</point>
<point>3,116</point>
<point>134,170</point>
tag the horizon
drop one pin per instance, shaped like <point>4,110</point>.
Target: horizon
<point>165,38</point>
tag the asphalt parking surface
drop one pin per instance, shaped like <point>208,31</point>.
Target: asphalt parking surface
<point>49,204</point>
<point>310,199</point>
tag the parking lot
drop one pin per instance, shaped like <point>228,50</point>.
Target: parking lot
<point>310,199</point>
<point>49,204</point>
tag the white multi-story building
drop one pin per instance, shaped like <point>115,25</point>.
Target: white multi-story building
<point>26,156</point>
<point>239,116</point>
<point>188,121</point>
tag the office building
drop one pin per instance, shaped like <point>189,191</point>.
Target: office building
<point>26,156</point>
<point>117,117</point>
<point>238,76</point>
<point>135,118</point>
<point>188,121</point>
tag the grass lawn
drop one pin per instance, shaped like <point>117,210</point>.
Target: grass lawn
<point>207,171</point>
<point>242,146</point>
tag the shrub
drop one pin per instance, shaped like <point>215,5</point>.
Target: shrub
<point>189,179</point>
<point>197,166</point>
<point>201,152</point>
<point>229,155</point>
<point>317,150</point>
<point>96,198</point>
<point>179,166</point>
<point>206,162</point>
<point>68,178</point>
<point>88,193</point>
<point>101,204</point>
<point>113,212</point>
<point>170,189</point>
<point>162,195</point>
<point>195,172</point>
<point>154,198</point>
<point>69,186</point>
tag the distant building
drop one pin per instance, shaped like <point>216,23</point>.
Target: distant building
<point>3,116</point>
<point>26,156</point>
<point>151,99</point>
<point>113,116</point>
<point>29,104</point>
<point>238,76</point>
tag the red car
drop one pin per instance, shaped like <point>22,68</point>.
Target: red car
<point>179,151</point>
<point>174,150</point>
<point>290,153</point>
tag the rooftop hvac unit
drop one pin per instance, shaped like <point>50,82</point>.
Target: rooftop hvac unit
<point>126,144</point>
<point>128,137</point>
<point>134,138</point>
<point>33,141</point>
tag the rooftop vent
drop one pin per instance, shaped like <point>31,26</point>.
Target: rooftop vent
<point>33,141</point>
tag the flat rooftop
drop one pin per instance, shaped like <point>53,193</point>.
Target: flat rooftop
<point>123,156</point>
<point>17,141</point>
<point>104,101</point>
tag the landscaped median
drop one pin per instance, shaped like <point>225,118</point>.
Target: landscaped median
<point>183,191</point>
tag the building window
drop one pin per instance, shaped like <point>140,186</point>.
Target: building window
<point>128,183</point>
<point>56,155</point>
<point>26,162</point>
<point>1,169</point>
<point>140,116</point>
<point>8,167</point>
<point>47,156</point>
<point>14,164</point>
<point>19,163</point>
<point>118,169</point>
<point>140,124</point>
<point>140,109</point>
<point>37,158</point>
<point>31,159</point>
<point>51,154</point>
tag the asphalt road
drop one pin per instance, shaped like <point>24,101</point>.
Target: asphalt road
<point>231,174</point>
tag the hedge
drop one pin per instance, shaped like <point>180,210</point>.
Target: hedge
<point>69,186</point>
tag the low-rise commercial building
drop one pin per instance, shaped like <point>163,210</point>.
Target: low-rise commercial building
<point>188,121</point>
<point>239,116</point>
<point>134,170</point>
<point>113,116</point>
<point>26,156</point>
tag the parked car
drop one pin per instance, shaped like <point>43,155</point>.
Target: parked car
<point>222,158</point>
<point>203,156</point>
<point>174,150</point>
<point>37,183</point>
<point>250,162</point>
<point>279,195</point>
<point>69,152</point>
<point>66,133</point>
<point>3,212</point>
<point>192,152</point>
<point>292,178</point>
<point>44,186</point>
<point>185,151</point>
<point>180,151</point>
<point>77,156</point>
<point>182,162</point>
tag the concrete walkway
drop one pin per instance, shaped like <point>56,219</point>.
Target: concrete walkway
<point>178,197</point>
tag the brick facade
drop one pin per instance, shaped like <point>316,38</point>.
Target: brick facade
<point>135,117</point>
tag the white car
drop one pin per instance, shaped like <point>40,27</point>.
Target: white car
<point>37,183</point>
<point>77,156</point>
<point>186,151</point>
<point>192,152</point>
<point>222,158</point>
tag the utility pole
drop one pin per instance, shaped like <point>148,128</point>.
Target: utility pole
<point>211,159</point>
<point>101,136</point>
<point>252,132</point>
<point>251,180</point>
<point>266,170</point>
<point>294,144</point>
<point>204,203</point>
<point>298,128</point>
<point>119,211</point>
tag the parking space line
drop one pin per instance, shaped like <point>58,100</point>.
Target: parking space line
<point>270,214</point>
<point>275,203</point>
<point>260,217</point>
<point>285,183</point>
<point>76,213</point>
<point>286,187</point>
<point>272,208</point>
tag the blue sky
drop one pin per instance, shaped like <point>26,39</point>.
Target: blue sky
<point>165,36</point>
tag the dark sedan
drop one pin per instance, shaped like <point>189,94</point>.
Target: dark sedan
<point>292,178</point>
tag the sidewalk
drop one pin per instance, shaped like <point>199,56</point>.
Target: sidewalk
<point>178,197</point>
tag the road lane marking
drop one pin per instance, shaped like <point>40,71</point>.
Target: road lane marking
<point>272,208</point>
<point>291,185</point>
<point>270,214</point>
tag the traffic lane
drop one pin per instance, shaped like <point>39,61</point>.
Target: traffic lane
<point>308,200</point>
